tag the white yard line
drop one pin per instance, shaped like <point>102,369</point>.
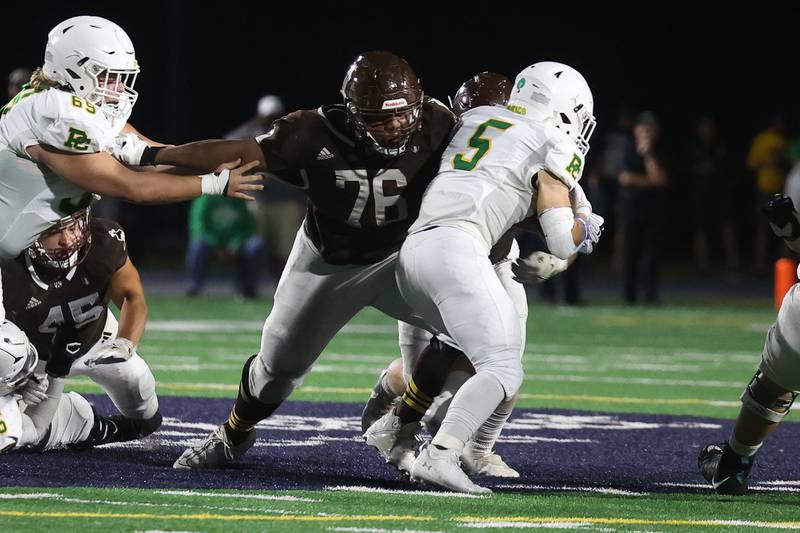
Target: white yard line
<point>426,493</point>
<point>237,496</point>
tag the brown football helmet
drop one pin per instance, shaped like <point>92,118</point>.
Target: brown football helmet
<point>384,101</point>
<point>486,88</point>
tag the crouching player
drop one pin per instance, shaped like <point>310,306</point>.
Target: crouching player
<point>57,292</point>
<point>769,395</point>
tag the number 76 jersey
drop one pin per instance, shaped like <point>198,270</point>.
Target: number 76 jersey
<point>486,180</point>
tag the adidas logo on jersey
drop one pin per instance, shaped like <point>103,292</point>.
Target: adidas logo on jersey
<point>33,302</point>
<point>324,154</point>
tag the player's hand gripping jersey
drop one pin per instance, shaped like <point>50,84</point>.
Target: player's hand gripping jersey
<point>31,196</point>
<point>486,182</point>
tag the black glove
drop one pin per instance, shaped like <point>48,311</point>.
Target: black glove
<point>782,217</point>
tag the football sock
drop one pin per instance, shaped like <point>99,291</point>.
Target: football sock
<point>743,450</point>
<point>247,411</point>
<point>472,405</point>
<point>485,438</point>
<point>428,378</point>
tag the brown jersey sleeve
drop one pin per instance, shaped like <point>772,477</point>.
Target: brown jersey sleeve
<point>290,146</point>
<point>109,250</point>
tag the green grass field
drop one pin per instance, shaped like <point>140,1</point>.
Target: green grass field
<point>687,360</point>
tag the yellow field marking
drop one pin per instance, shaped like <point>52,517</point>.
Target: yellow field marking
<point>223,517</point>
<point>524,396</point>
<point>623,399</point>
<point>625,521</point>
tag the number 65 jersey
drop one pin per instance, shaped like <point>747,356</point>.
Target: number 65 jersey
<point>486,181</point>
<point>32,198</point>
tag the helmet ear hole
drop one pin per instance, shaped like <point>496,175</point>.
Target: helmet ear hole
<point>565,119</point>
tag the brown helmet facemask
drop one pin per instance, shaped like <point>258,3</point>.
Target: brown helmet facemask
<point>379,87</point>
<point>486,88</point>
<point>71,256</point>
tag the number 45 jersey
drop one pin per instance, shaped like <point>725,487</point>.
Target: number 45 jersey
<point>75,303</point>
<point>487,178</point>
<point>361,204</point>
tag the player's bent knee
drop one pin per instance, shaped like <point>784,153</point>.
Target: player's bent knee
<point>271,387</point>
<point>767,400</point>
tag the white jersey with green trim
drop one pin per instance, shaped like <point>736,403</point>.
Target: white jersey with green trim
<point>10,423</point>
<point>32,198</point>
<point>485,182</point>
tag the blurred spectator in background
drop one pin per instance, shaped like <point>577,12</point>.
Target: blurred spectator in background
<point>706,157</point>
<point>792,186</point>
<point>222,225</point>
<point>17,78</point>
<point>616,144</point>
<point>767,160</point>
<point>279,208</point>
<point>643,210</point>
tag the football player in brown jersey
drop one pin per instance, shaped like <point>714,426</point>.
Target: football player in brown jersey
<point>364,165</point>
<point>57,291</point>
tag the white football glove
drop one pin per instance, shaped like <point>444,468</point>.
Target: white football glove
<point>594,228</point>
<point>117,351</point>
<point>580,204</point>
<point>34,391</point>
<point>537,267</point>
<point>129,148</point>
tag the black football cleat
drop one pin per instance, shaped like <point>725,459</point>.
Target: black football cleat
<point>724,469</point>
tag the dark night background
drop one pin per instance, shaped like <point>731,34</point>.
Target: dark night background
<point>204,66</point>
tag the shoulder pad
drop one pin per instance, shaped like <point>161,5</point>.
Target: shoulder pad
<point>75,125</point>
<point>564,160</point>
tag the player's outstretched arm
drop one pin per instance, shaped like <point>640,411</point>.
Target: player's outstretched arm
<point>102,174</point>
<point>127,294</point>
<point>205,156</point>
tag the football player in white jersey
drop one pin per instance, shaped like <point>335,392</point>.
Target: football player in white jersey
<point>65,420</point>
<point>484,89</point>
<point>502,166</point>
<point>766,400</point>
<point>57,135</point>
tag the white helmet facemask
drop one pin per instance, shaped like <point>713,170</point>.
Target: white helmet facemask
<point>95,59</point>
<point>556,93</point>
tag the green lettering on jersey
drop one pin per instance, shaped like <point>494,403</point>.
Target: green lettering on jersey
<point>77,140</point>
<point>3,427</point>
<point>574,167</point>
<point>479,143</point>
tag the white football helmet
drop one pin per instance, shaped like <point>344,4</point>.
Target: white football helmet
<point>95,59</point>
<point>556,92</point>
<point>18,358</point>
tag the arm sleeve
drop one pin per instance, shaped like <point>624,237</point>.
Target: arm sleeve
<point>565,162</point>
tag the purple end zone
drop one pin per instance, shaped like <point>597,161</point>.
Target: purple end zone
<point>313,445</point>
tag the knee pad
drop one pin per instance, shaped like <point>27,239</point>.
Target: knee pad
<point>758,399</point>
<point>269,387</point>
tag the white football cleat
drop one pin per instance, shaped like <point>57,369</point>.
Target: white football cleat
<point>215,451</point>
<point>489,464</point>
<point>380,402</point>
<point>440,467</point>
<point>394,440</point>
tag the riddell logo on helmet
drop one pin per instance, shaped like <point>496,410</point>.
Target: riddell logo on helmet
<point>394,104</point>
